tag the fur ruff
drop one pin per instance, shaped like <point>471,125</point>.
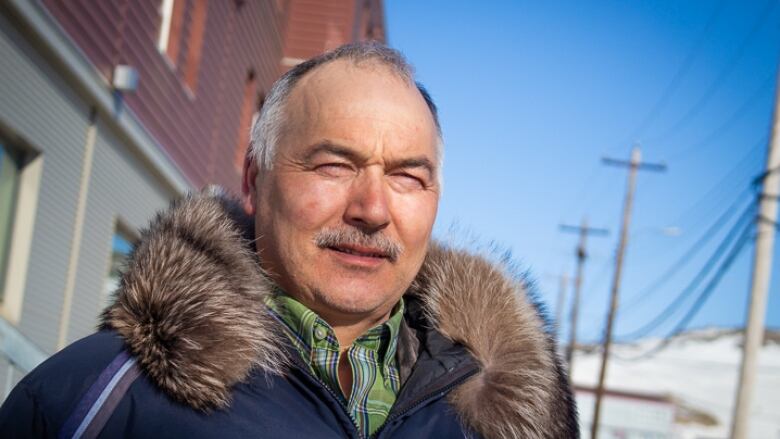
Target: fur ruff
<point>190,307</point>
<point>520,391</point>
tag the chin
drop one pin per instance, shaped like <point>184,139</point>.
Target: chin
<point>355,300</point>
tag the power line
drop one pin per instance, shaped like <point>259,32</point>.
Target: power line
<point>726,181</point>
<point>740,112</point>
<point>695,282</point>
<point>687,256</point>
<point>746,217</point>
<point>759,180</point>
<point>715,85</point>
<point>681,72</point>
<point>719,187</point>
<point>701,299</point>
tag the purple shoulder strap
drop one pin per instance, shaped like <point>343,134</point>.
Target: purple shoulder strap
<point>93,410</point>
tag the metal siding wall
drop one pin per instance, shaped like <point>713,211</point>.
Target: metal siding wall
<point>4,365</point>
<point>39,106</point>
<point>120,187</point>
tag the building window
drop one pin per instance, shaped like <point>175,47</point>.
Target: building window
<point>195,43</point>
<point>21,167</point>
<point>11,162</point>
<point>166,11</point>
<point>121,246</point>
<point>173,14</point>
<point>251,104</point>
<point>171,20</point>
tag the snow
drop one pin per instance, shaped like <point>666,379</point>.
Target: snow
<point>700,369</point>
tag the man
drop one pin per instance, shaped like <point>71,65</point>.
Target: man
<point>326,311</point>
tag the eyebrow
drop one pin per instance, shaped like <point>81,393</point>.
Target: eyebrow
<point>327,147</point>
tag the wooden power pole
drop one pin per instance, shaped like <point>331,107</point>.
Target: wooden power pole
<point>583,230</point>
<point>633,165</point>
<point>762,269</point>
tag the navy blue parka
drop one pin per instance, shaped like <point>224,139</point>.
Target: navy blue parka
<point>474,356</point>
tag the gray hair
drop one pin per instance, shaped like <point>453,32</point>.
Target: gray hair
<point>267,129</point>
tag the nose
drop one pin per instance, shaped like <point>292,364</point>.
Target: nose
<point>367,206</point>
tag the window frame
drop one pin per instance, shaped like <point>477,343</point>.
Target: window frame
<point>22,226</point>
<point>131,236</point>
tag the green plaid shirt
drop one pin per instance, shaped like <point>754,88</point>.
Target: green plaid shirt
<point>375,379</point>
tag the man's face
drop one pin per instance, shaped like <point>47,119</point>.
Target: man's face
<point>344,217</point>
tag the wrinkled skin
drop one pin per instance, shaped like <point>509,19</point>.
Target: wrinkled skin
<point>357,151</point>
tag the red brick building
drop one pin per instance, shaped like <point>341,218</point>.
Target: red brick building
<point>204,66</point>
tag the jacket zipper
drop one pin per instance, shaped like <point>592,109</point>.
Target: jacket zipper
<point>426,398</point>
<point>336,397</point>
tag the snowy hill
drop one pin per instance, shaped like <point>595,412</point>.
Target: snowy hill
<point>699,372</point>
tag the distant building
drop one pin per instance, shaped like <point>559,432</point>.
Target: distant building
<point>110,109</point>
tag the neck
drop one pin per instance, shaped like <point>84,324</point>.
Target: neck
<point>347,326</point>
<point>348,329</point>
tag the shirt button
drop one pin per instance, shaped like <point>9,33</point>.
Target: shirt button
<point>319,333</point>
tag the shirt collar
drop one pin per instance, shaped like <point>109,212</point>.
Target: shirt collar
<point>308,330</point>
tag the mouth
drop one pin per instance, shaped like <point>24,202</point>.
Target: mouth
<point>362,252</point>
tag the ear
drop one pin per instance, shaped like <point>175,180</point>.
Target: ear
<point>249,184</point>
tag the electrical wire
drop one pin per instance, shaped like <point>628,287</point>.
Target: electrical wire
<point>713,229</point>
<point>681,262</point>
<point>725,182</point>
<point>701,299</point>
<point>765,12</point>
<point>724,217</point>
<point>680,74</point>
<point>740,112</point>
<point>745,220</point>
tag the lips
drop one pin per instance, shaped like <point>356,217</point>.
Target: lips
<point>364,252</point>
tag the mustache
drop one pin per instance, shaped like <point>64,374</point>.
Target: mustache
<point>348,236</point>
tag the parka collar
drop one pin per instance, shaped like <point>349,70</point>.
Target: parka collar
<point>191,308</point>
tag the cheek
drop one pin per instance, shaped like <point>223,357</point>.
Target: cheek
<point>308,204</point>
<point>414,216</point>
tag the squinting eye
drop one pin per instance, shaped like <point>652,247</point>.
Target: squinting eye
<point>334,169</point>
<point>408,181</point>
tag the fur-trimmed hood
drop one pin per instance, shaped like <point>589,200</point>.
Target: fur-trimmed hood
<point>190,308</point>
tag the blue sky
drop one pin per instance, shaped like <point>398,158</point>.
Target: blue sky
<point>533,94</point>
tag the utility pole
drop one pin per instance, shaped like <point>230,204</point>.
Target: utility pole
<point>564,278</point>
<point>633,165</point>
<point>583,230</point>
<point>762,269</point>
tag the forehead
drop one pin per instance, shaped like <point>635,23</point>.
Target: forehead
<point>365,105</point>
